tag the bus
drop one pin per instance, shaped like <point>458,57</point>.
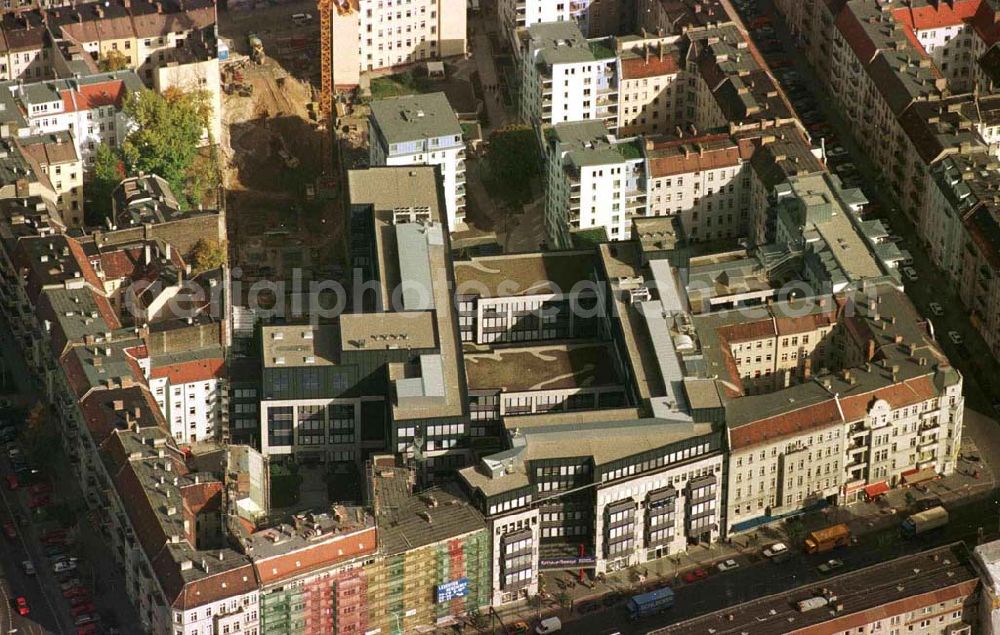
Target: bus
<point>651,603</point>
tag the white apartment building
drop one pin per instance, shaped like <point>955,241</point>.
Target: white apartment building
<point>89,108</point>
<point>705,180</point>
<point>371,35</point>
<point>422,130</point>
<point>190,395</point>
<point>24,52</point>
<point>565,77</point>
<point>515,15</point>
<point>594,182</point>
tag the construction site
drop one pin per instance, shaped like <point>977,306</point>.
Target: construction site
<point>283,215</point>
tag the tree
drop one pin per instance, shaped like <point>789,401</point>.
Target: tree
<point>514,162</point>
<point>114,61</point>
<point>166,130</point>
<point>208,254</point>
<point>108,173</point>
<point>40,437</point>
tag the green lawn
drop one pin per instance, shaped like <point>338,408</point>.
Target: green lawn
<point>402,84</point>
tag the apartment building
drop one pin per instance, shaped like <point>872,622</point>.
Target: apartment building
<point>871,405</point>
<point>310,572</point>
<point>191,66</point>
<point>651,86</point>
<point>959,222</point>
<point>565,77</point>
<point>373,36</point>
<point>934,592</point>
<point>24,51</point>
<point>89,108</point>
<point>578,491</point>
<point>422,130</point>
<point>593,182</point>
<point>433,566</point>
<point>704,180</point>
<point>188,387</point>
<point>57,158</point>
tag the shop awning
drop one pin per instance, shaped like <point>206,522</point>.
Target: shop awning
<point>926,474</point>
<point>875,490</point>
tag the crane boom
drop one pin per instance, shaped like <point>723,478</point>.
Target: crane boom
<point>325,9</point>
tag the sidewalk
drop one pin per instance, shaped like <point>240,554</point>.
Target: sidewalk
<point>862,517</point>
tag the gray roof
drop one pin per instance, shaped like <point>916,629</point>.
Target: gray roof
<point>415,117</point>
<point>560,43</point>
<point>408,521</point>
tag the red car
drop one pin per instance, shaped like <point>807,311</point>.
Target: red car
<point>80,609</point>
<point>38,501</point>
<point>11,481</point>
<point>76,592</point>
<point>40,488</point>
<point>10,530</point>
<point>56,537</point>
<point>86,629</point>
<point>694,575</point>
<point>22,605</point>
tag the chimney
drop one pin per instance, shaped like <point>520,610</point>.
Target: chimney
<point>118,405</point>
<point>807,370</point>
<point>870,355</point>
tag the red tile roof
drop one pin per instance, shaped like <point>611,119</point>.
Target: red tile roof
<point>92,96</point>
<point>786,424</point>
<point>931,16</point>
<point>350,545</point>
<point>187,372</point>
<point>640,67</point>
<point>748,330</point>
<point>901,395</point>
<point>227,583</point>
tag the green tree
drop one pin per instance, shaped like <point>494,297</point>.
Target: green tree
<point>41,438</point>
<point>513,162</point>
<point>166,130</point>
<point>108,173</point>
<point>208,254</point>
<point>114,61</point>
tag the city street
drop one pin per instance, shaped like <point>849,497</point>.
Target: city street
<point>96,570</point>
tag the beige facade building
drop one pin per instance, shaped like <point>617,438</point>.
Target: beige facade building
<point>372,36</point>
<point>650,90</point>
<point>56,157</point>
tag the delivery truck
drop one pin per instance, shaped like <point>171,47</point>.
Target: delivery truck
<point>921,522</point>
<point>828,538</point>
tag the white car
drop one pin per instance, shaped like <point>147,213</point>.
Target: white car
<point>301,18</point>
<point>955,337</point>
<point>29,567</point>
<point>728,565</point>
<point>776,549</point>
<point>64,566</point>
<point>936,309</point>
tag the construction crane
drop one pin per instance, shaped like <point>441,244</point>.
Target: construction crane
<point>325,9</point>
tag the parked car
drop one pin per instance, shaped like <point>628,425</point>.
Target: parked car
<point>22,605</point>
<point>10,530</point>
<point>12,483</point>
<point>85,618</point>
<point>830,565</point>
<point>64,565</point>
<point>29,567</point>
<point>69,584</point>
<point>86,629</point>
<point>42,488</point>
<point>911,274</point>
<point>587,607</point>
<point>39,501</point>
<point>518,628</point>
<point>956,338</point>
<point>836,152</point>
<point>776,551</point>
<point>75,592</point>
<point>728,565</point>
<point>82,608</point>
<point>936,308</point>
<point>79,598</point>
<point>694,575</point>
<point>301,18</point>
